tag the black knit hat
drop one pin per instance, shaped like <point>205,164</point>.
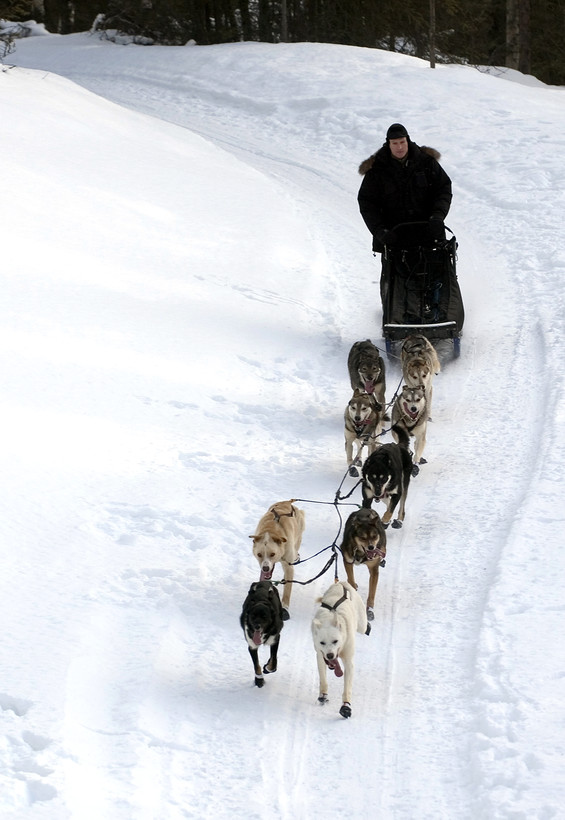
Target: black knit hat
<point>396,132</point>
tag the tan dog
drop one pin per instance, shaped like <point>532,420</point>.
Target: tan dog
<point>410,411</point>
<point>277,538</point>
<point>420,364</point>
<point>363,425</point>
<point>364,542</point>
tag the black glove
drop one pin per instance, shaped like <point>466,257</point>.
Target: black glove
<point>386,238</point>
<point>436,228</point>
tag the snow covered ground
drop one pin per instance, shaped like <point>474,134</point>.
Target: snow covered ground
<point>184,271</point>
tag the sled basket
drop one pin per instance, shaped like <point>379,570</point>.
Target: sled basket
<point>420,292</point>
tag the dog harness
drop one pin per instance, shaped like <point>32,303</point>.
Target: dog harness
<point>337,603</point>
<point>278,515</point>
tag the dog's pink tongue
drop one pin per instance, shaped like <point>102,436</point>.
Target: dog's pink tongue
<point>369,387</point>
<point>266,575</point>
<point>336,666</point>
<point>257,638</point>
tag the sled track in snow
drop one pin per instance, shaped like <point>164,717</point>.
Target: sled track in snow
<point>427,657</point>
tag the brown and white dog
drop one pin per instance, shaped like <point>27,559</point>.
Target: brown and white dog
<point>364,542</point>
<point>420,364</point>
<point>410,412</point>
<point>367,369</point>
<point>277,538</point>
<point>363,425</point>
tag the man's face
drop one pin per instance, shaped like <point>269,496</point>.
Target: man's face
<point>398,148</point>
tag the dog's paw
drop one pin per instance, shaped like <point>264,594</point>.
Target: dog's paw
<point>368,630</point>
<point>423,460</point>
<point>353,472</point>
<point>267,670</point>
<point>383,563</point>
<point>345,710</point>
<point>285,614</point>
<point>370,615</point>
<point>386,525</point>
<point>415,470</point>
<point>396,524</point>
<point>323,699</point>
<point>259,681</point>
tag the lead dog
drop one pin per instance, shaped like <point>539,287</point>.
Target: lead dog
<point>367,369</point>
<point>420,364</point>
<point>386,477</point>
<point>364,542</point>
<point>262,621</point>
<point>277,538</point>
<point>410,411</point>
<point>363,424</point>
<point>340,616</point>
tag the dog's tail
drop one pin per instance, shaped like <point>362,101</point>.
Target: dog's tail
<point>403,437</point>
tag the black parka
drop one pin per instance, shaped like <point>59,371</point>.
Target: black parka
<point>393,191</point>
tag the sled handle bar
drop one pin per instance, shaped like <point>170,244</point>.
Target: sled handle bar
<point>419,222</point>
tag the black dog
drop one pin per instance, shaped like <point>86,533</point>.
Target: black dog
<point>386,476</point>
<point>262,621</point>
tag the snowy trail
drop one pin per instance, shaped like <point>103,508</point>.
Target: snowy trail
<point>295,736</point>
<point>439,705</point>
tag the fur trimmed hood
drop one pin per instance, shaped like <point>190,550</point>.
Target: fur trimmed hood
<point>367,164</point>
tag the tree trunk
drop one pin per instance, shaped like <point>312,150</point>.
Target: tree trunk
<point>525,50</point>
<point>512,33</point>
<point>284,22</point>
<point>432,34</point>
<point>518,35</point>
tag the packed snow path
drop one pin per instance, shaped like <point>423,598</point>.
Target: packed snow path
<point>193,330</point>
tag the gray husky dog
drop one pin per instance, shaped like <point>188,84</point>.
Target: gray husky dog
<point>363,425</point>
<point>410,411</point>
<point>420,363</point>
<point>367,369</point>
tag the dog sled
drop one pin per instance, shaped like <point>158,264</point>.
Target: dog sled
<point>419,288</point>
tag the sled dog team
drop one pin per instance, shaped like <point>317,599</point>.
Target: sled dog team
<point>385,476</point>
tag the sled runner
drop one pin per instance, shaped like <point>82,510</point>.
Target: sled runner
<point>419,288</point>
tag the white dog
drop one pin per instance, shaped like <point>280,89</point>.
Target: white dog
<point>278,538</point>
<point>341,614</point>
